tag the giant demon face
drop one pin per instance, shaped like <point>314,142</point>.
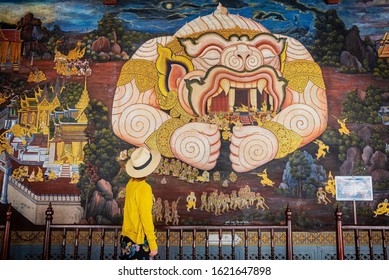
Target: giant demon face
<point>221,73</point>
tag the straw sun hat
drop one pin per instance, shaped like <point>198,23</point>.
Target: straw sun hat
<point>142,162</point>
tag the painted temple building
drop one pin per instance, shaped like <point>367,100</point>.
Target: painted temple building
<point>51,158</point>
<point>10,48</point>
<point>34,112</point>
<point>62,149</point>
<point>66,146</point>
<point>383,49</point>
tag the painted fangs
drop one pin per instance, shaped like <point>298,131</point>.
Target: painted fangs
<point>225,85</point>
<point>254,88</point>
<point>261,84</point>
<point>219,90</point>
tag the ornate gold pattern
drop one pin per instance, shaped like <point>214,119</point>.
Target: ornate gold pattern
<point>299,72</point>
<point>177,48</point>
<point>307,245</point>
<point>143,71</point>
<point>163,135</point>
<point>151,141</point>
<point>283,57</point>
<point>227,33</point>
<point>168,99</point>
<point>35,111</point>
<point>288,140</point>
<point>178,112</point>
<point>4,144</point>
<point>325,238</point>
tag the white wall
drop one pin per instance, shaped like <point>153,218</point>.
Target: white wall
<point>67,209</point>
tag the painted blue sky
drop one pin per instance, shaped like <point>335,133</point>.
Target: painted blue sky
<point>371,16</point>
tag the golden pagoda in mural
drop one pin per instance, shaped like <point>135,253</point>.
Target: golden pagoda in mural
<point>82,104</point>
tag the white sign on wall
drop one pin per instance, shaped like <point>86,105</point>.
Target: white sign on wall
<point>354,188</point>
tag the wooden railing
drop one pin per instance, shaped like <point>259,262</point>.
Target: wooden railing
<point>376,236</point>
<point>6,228</point>
<point>197,236</point>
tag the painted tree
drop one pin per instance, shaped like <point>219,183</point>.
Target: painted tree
<point>329,38</point>
<point>340,143</point>
<point>87,182</point>
<point>382,69</point>
<point>101,151</point>
<point>71,94</point>
<point>379,139</point>
<point>97,114</point>
<point>365,109</point>
<point>300,170</point>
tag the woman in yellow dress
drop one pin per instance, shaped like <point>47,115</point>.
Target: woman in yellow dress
<point>138,240</point>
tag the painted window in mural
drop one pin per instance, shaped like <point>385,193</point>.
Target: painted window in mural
<point>253,106</point>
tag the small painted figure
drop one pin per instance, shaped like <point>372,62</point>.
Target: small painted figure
<point>343,129</point>
<point>260,202</point>
<point>216,176</point>
<point>158,210</point>
<point>330,187</point>
<point>233,177</point>
<point>265,179</point>
<point>175,216</point>
<point>75,178</point>
<point>191,201</point>
<point>322,196</point>
<point>382,208</point>
<point>322,150</point>
<point>167,215</point>
<point>204,204</point>
<point>52,175</point>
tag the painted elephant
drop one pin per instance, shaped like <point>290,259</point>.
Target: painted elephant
<point>214,63</point>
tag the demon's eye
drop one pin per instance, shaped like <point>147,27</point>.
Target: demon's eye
<point>211,56</point>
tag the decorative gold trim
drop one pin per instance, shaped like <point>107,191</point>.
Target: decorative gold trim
<point>299,72</point>
<point>164,134</point>
<point>288,140</point>
<point>160,139</point>
<point>143,71</point>
<point>326,238</point>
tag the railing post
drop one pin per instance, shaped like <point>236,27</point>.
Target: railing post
<point>339,234</point>
<point>7,234</point>
<point>47,238</point>
<point>289,237</point>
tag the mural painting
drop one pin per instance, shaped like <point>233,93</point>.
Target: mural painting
<point>253,106</point>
